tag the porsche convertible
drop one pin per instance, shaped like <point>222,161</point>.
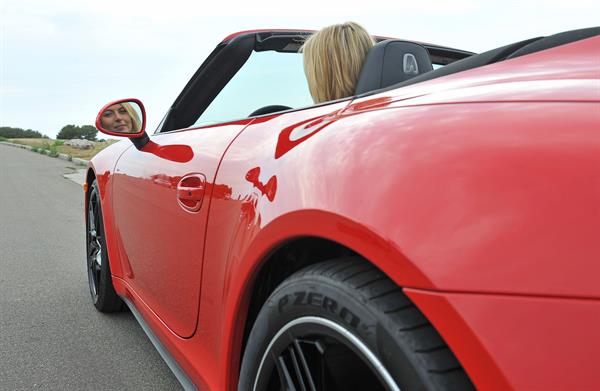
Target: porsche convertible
<point>439,229</point>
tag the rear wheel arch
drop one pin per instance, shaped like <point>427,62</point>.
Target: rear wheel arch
<point>284,261</point>
<point>280,264</point>
<point>283,247</point>
<point>300,255</point>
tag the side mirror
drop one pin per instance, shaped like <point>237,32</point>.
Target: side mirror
<point>124,118</point>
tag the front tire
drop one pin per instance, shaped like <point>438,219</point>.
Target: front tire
<point>344,325</point>
<point>103,293</point>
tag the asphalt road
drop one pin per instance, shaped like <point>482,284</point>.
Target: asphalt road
<point>51,336</point>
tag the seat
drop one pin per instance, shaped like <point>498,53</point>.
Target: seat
<point>390,62</point>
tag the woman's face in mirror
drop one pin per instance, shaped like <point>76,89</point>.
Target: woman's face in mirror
<point>116,119</point>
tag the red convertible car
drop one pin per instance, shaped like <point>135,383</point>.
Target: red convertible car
<point>440,229</point>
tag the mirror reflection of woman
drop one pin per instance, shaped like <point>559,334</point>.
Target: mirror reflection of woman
<point>121,118</point>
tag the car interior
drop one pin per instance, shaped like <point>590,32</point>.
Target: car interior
<point>390,64</point>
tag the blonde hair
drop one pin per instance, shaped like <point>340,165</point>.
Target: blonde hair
<point>136,123</point>
<point>333,58</point>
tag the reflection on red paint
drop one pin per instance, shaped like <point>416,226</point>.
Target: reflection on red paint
<point>269,189</point>
<point>295,134</point>
<point>174,153</point>
<point>222,192</point>
<point>165,180</point>
<point>378,103</point>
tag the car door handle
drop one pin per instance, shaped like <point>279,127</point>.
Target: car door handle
<point>190,192</point>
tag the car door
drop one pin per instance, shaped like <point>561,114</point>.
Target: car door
<point>162,193</point>
<point>161,201</point>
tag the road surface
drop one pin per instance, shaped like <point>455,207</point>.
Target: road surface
<point>51,336</point>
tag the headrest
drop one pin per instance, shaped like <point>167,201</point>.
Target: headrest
<point>390,62</point>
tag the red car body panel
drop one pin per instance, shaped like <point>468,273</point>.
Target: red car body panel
<point>508,342</point>
<point>476,192</point>
<point>161,241</point>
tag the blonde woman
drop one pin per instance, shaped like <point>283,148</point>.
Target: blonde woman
<point>121,117</point>
<point>333,58</point>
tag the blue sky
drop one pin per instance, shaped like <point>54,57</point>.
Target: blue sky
<point>61,60</point>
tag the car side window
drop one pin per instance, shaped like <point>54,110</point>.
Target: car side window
<point>267,78</point>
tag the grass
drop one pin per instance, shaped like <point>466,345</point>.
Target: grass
<point>2,138</point>
<point>54,147</point>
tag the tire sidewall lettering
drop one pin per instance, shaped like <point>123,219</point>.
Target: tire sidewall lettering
<point>310,300</point>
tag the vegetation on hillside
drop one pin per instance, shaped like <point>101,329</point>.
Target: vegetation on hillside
<point>9,132</point>
<point>69,132</point>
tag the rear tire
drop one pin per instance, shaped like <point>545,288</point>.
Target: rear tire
<point>103,293</point>
<point>344,325</point>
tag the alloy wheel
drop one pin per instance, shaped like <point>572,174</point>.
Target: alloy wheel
<point>94,247</point>
<point>313,353</point>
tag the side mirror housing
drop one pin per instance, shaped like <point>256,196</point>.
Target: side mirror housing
<point>124,118</point>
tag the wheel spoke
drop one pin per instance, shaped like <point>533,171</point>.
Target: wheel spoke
<point>93,280</point>
<point>96,223</point>
<point>96,281</point>
<point>294,367</point>
<point>92,250</point>
<point>285,377</point>
<point>92,216</point>
<point>304,374</point>
<point>297,371</point>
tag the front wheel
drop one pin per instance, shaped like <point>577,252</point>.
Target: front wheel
<point>98,268</point>
<point>343,325</point>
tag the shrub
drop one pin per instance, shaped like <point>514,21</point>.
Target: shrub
<point>70,158</point>
<point>34,149</point>
<point>53,152</point>
<point>58,143</point>
<point>2,138</point>
<point>87,132</point>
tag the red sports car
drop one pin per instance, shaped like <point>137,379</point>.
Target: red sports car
<point>440,229</point>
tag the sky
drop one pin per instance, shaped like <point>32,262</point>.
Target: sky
<point>62,60</point>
